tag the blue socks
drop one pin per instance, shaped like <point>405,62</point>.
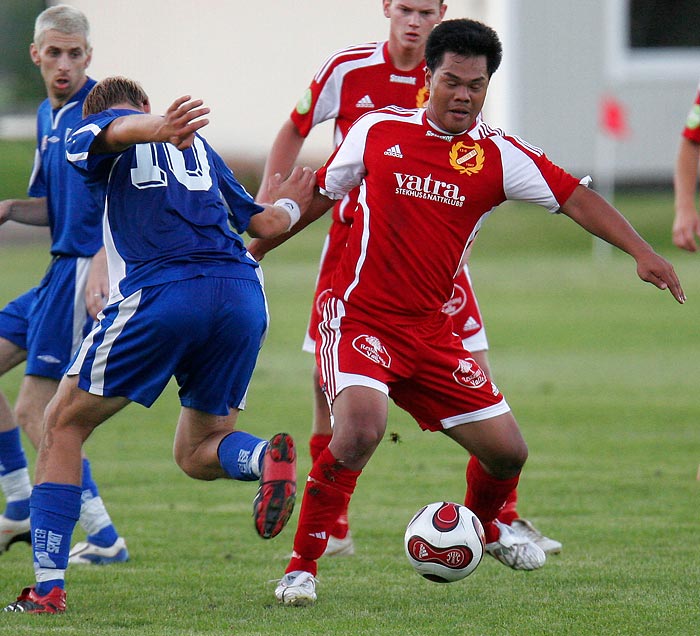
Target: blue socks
<point>14,477</point>
<point>55,510</point>
<point>240,455</point>
<point>94,518</point>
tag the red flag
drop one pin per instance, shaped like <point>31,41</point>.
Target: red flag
<point>613,117</point>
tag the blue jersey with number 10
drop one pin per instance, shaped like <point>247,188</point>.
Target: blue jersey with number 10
<point>169,213</point>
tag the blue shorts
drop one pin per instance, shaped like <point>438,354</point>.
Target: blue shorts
<point>14,319</point>
<point>204,331</point>
<point>50,320</point>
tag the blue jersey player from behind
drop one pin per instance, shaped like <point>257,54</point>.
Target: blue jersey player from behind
<point>186,300</point>
<point>45,325</point>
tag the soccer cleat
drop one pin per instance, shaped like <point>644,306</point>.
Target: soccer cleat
<point>514,550</point>
<point>85,553</point>
<point>274,501</point>
<point>525,528</point>
<point>339,547</point>
<point>30,603</point>
<point>297,588</point>
<point>12,531</point>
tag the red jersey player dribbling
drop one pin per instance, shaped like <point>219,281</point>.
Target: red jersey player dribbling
<point>425,180</point>
<point>348,84</point>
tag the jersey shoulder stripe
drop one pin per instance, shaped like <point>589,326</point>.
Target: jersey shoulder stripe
<point>524,145</point>
<point>389,113</point>
<point>348,54</point>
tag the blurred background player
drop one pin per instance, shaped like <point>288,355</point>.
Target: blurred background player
<point>186,301</point>
<point>46,324</point>
<point>686,225</point>
<point>350,83</point>
<point>384,334</point>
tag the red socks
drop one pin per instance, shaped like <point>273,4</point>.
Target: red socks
<point>317,444</point>
<point>486,496</point>
<point>509,512</point>
<point>326,496</point>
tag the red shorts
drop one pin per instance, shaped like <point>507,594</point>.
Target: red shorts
<point>422,367</point>
<point>462,307</point>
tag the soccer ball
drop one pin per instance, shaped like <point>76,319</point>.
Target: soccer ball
<point>444,542</point>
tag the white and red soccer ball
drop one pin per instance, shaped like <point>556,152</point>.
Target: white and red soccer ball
<point>444,542</point>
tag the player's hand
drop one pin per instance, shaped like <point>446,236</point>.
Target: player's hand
<point>182,120</point>
<point>656,270</point>
<point>97,285</point>
<point>299,186</point>
<point>686,227</point>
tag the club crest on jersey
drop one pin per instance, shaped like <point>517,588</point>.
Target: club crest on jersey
<point>422,97</point>
<point>468,373</point>
<point>371,347</point>
<point>456,303</point>
<point>467,159</point>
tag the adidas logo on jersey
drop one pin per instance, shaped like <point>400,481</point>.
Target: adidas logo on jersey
<point>394,151</point>
<point>365,102</point>
<point>471,324</point>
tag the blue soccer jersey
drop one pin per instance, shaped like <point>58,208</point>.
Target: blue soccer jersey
<point>169,213</point>
<point>75,212</point>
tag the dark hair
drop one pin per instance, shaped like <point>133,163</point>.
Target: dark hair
<point>112,91</point>
<point>466,38</point>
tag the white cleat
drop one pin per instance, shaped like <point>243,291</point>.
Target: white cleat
<point>297,588</point>
<point>84,553</point>
<point>340,547</point>
<point>526,529</point>
<point>12,531</point>
<point>515,550</point>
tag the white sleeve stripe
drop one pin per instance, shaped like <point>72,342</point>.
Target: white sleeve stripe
<point>76,156</point>
<point>522,178</point>
<point>95,130</point>
<point>349,51</point>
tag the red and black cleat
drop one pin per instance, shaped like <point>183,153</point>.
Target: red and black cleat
<point>274,502</point>
<point>30,602</point>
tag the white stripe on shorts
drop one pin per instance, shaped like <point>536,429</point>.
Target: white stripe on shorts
<point>127,308</point>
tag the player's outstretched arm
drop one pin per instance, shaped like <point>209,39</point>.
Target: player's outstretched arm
<point>292,195</point>
<point>32,211</point>
<point>319,204</point>
<point>595,214</point>
<point>686,223</point>
<point>178,126</point>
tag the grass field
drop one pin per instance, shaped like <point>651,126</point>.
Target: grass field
<point>601,371</point>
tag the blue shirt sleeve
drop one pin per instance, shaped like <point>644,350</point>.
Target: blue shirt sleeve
<point>78,145</point>
<point>241,205</point>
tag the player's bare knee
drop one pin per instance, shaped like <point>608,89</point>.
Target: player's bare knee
<point>508,464</point>
<point>191,462</point>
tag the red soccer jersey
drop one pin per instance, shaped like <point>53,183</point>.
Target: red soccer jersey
<point>350,83</point>
<point>692,123</point>
<point>423,196</point>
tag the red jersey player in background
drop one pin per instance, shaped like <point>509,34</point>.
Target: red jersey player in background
<point>350,83</point>
<point>384,333</point>
<point>686,225</point>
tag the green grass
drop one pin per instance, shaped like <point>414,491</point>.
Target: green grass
<point>601,371</point>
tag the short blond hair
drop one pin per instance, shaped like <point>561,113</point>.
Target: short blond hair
<point>112,91</point>
<point>62,18</point>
